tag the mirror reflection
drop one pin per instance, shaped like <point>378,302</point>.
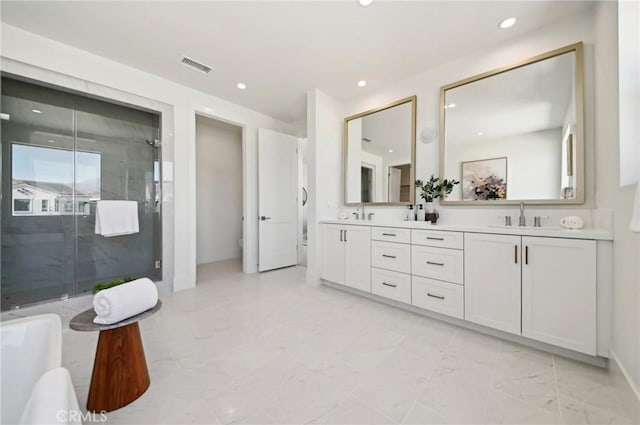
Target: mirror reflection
<point>516,135</point>
<point>379,155</point>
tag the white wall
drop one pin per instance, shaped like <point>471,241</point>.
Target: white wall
<point>541,149</point>
<point>38,51</point>
<point>625,337</point>
<point>324,133</point>
<point>218,190</point>
<point>354,164</point>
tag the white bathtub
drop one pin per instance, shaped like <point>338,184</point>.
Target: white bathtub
<point>34,387</point>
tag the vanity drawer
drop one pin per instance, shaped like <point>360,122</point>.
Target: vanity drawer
<point>393,285</point>
<point>438,263</point>
<point>391,234</point>
<point>391,256</point>
<point>441,297</point>
<point>440,239</point>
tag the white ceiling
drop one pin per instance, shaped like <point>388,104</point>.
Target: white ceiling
<point>281,50</point>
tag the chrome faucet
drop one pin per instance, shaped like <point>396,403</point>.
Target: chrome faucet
<point>355,214</point>
<point>522,220</point>
<point>362,214</point>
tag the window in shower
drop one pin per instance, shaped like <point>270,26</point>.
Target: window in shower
<point>41,176</point>
<point>56,164</point>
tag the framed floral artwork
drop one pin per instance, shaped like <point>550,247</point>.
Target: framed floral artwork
<point>484,179</point>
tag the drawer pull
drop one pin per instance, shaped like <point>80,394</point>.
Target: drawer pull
<point>435,264</point>
<point>389,234</point>
<point>389,284</point>
<point>434,239</point>
<point>440,297</point>
<point>388,256</point>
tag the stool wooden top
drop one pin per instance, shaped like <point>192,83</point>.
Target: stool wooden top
<point>84,321</point>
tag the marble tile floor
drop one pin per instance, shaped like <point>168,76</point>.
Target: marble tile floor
<point>270,349</point>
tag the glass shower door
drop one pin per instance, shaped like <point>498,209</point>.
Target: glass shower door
<point>61,154</point>
<point>38,230</point>
<point>115,160</point>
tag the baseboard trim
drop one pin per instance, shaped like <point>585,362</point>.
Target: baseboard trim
<point>623,370</point>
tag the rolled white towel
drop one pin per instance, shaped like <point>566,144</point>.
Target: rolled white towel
<point>123,301</point>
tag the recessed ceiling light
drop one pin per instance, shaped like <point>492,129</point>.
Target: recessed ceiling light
<point>390,150</point>
<point>36,111</point>
<point>479,133</point>
<point>362,83</point>
<point>365,3</point>
<point>51,141</point>
<point>241,86</point>
<point>507,23</point>
<point>450,106</point>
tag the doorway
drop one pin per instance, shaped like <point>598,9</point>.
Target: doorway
<point>219,193</point>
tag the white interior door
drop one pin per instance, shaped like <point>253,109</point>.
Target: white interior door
<point>277,206</point>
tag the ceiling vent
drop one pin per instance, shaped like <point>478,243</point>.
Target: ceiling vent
<point>196,65</point>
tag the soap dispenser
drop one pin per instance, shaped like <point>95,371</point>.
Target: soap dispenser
<point>411,216</point>
<point>420,213</point>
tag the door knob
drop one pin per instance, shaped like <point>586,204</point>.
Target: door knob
<point>263,218</point>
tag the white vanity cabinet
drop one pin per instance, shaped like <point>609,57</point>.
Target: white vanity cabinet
<point>347,255</point>
<point>555,295</point>
<point>559,292</point>
<point>534,285</point>
<point>492,280</point>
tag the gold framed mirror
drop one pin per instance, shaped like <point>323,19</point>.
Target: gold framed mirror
<point>379,155</point>
<point>515,134</point>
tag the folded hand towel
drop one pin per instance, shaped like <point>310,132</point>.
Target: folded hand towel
<point>116,218</point>
<point>123,301</point>
<point>635,219</point>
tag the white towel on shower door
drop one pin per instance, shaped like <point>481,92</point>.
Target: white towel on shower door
<point>116,218</point>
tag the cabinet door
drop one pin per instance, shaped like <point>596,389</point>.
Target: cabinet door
<point>358,257</point>
<point>559,292</point>
<point>333,248</point>
<point>492,280</point>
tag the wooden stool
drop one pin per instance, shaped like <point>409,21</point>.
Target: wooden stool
<point>120,373</point>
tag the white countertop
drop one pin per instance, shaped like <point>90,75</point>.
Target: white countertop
<point>551,232</point>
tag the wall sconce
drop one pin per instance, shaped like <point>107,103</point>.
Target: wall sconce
<point>428,135</point>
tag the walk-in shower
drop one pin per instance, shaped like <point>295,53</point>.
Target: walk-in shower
<point>61,153</point>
